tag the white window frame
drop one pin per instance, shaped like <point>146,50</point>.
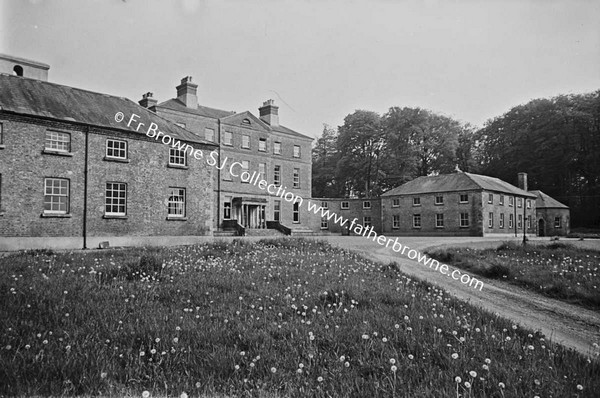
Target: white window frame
<point>439,224</point>
<point>115,201</point>
<point>277,210</point>
<point>344,205</point>
<point>367,205</point>
<point>519,202</point>
<point>511,221</point>
<point>262,145</point>
<point>227,208</point>
<point>325,205</point>
<point>395,221</point>
<point>501,200</point>
<point>228,138</point>
<point>296,213</point>
<point>367,221</point>
<point>57,196</point>
<point>209,134</point>
<point>528,202</point>
<point>511,201</point>
<point>490,220</point>
<point>440,202</point>
<point>277,148</point>
<point>416,201</point>
<point>324,223</point>
<point>262,170</point>
<point>296,178</point>
<point>501,222</point>
<point>460,198</point>
<point>417,220</point>
<point>245,168</point>
<point>559,223</point>
<point>520,221</point>
<point>176,202</point>
<point>116,149</point>
<point>56,141</point>
<point>464,222</point>
<point>177,157</point>
<point>297,153</point>
<point>396,202</point>
<point>277,175</point>
<point>491,198</point>
<point>245,141</point>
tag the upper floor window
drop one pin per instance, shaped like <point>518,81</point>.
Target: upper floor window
<point>501,200</point>
<point>324,205</point>
<point>417,201</point>
<point>519,202</point>
<point>277,148</point>
<point>491,198</point>
<point>439,199</point>
<point>511,201</point>
<point>228,138</point>
<point>366,204</point>
<point>116,199</point>
<point>396,202</point>
<point>296,178</point>
<point>245,168</point>
<point>529,203</point>
<point>176,202</point>
<point>296,151</point>
<point>344,205</point>
<point>57,141</point>
<point>209,134</point>
<point>246,141</point>
<point>177,157</point>
<point>262,170</point>
<point>116,149</point>
<point>262,144</point>
<point>464,198</point>
<point>56,195</point>
<point>277,175</point>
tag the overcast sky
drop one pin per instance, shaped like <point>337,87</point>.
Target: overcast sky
<point>318,59</point>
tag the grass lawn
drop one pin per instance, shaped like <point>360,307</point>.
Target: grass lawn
<point>557,270</point>
<point>274,318</point>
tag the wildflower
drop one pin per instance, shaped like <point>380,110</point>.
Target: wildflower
<point>473,373</point>
<point>365,336</point>
<point>342,358</point>
<point>455,356</point>
<point>27,346</point>
<point>319,379</point>
<point>175,340</point>
<point>251,364</point>
<point>300,365</point>
<point>103,375</point>
<point>501,385</point>
<point>237,367</point>
<point>157,340</point>
<point>487,361</point>
<point>410,356</point>
<point>347,364</point>
<point>273,370</point>
<point>153,351</point>
<point>198,384</point>
<point>457,379</point>
<point>243,353</point>
<point>467,384</point>
<point>145,394</point>
<point>392,361</point>
<point>299,371</point>
<point>183,395</point>
<point>142,353</point>
<point>397,326</point>
<point>485,367</point>
<point>394,368</point>
<point>45,342</point>
<point>384,339</point>
<point>579,387</point>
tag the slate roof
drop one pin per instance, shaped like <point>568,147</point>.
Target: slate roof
<point>50,100</point>
<point>456,182</point>
<point>176,105</point>
<point>544,201</point>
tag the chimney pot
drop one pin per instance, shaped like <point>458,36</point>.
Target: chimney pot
<point>147,100</point>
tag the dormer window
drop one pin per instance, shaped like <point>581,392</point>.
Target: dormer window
<point>246,122</point>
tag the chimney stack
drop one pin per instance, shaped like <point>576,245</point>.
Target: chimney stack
<point>147,100</point>
<point>186,92</point>
<point>523,181</point>
<point>269,113</point>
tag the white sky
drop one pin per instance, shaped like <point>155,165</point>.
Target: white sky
<point>319,59</point>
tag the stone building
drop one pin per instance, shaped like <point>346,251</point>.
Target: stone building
<point>553,217</point>
<point>71,176</point>
<point>280,155</point>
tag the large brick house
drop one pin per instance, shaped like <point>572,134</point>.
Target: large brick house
<point>261,144</point>
<point>72,176</point>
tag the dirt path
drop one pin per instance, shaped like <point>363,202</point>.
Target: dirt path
<point>563,323</point>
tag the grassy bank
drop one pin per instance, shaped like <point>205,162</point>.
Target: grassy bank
<point>274,318</point>
<point>557,270</point>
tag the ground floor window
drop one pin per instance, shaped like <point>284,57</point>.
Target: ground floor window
<point>501,220</point>
<point>277,210</point>
<point>396,222</point>
<point>528,222</point>
<point>324,223</point>
<point>520,221</point>
<point>416,220</point>
<point>464,219</point>
<point>116,199</point>
<point>367,221</point>
<point>176,202</point>
<point>557,222</point>
<point>491,220</point>
<point>227,208</point>
<point>439,220</point>
<point>511,219</point>
<point>296,212</point>
<point>56,195</point>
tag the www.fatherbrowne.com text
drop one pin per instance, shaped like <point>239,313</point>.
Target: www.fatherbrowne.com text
<point>236,169</point>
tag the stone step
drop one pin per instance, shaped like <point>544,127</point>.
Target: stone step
<point>263,232</point>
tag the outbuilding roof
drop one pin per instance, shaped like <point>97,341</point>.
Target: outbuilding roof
<point>50,100</point>
<point>459,181</point>
<point>543,201</point>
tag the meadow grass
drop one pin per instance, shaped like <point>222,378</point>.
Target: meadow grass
<point>557,270</point>
<point>274,318</point>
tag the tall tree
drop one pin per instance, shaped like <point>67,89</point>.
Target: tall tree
<point>360,141</point>
<point>325,157</point>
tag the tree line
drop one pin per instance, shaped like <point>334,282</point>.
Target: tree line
<point>555,140</point>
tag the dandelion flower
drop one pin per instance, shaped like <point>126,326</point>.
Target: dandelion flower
<point>103,375</point>
<point>473,373</point>
<point>394,368</point>
<point>183,395</point>
<point>145,394</point>
<point>392,361</point>
<point>457,379</point>
<point>319,379</point>
<point>487,361</point>
<point>347,364</point>
<point>198,384</point>
<point>501,385</point>
<point>579,387</point>
<point>273,370</point>
<point>467,384</point>
<point>342,358</point>
<point>455,356</point>
<point>410,356</point>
